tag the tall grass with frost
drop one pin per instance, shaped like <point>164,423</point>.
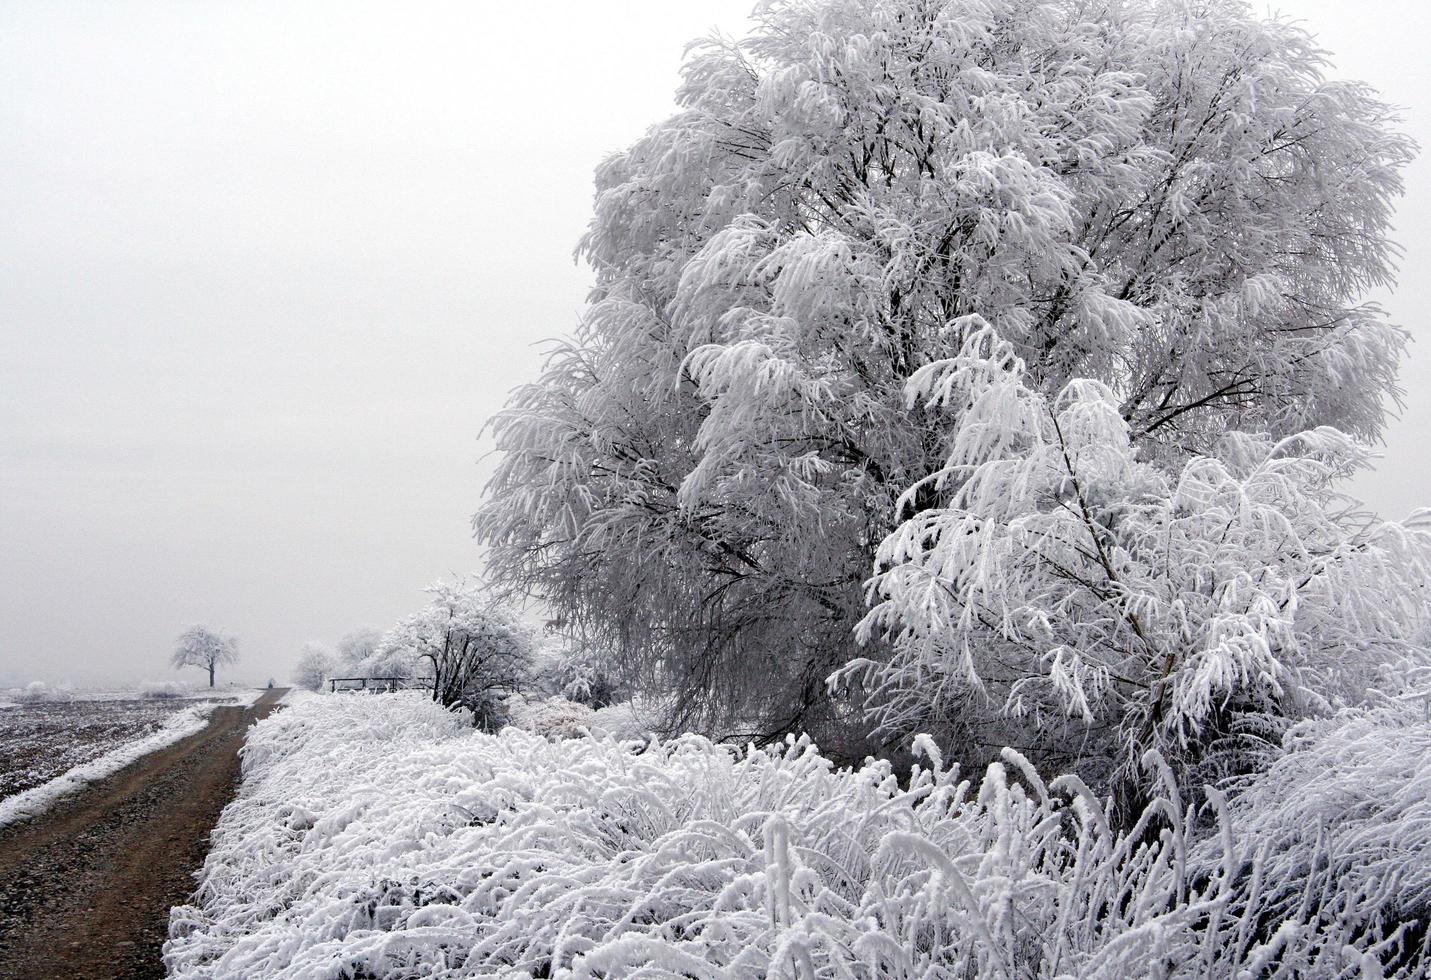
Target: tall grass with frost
<point>378,836</point>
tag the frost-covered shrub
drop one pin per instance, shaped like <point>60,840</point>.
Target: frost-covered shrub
<point>580,672</point>
<point>475,649</point>
<point>391,659</point>
<point>163,690</point>
<point>552,717</point>
<point>40,691</point>
<point>1054,587</point>
<point>379,836</point>
<point>638,719</point>
<point>314,666</point>
<point>1336,833</point>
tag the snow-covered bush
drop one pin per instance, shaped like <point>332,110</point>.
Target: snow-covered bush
<point>552,717</point>
<point>639,719</point>
<point>379,836</point>
<point>314,666</point>
<point>163,690</point>
<point>577,671</point>
<point>391,658</point>
<point>40,691</point>
<point>1336,832</point>
<point>1059,590</point>
<point>477,649</point>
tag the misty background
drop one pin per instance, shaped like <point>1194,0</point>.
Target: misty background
<point>266,269</point>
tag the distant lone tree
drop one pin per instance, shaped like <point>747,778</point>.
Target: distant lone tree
<point>206,648</point>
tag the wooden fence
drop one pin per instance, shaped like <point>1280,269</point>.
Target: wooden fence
<point>379,684</point>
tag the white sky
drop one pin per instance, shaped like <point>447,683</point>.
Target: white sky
<point>266,268</point>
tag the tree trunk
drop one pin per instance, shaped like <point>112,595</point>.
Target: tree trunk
<point>211,674</point>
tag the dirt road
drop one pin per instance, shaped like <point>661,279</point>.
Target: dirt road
<point>86,888</point>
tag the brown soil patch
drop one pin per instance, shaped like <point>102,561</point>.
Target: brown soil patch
<point>86,888</point>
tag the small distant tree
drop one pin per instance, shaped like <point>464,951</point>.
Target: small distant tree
<point>478,649</point>
<point>315,665</point>
<point>200,646</point>
<point>359,645</point>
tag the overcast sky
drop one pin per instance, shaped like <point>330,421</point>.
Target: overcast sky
<point>266,269</point>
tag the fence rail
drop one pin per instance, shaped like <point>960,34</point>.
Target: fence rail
<point>379,683</point>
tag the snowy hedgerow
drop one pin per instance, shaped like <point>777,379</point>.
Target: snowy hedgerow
<point>380,836</point>
<point>1167,198</point>
<point>40,691</point>
<point>1062,591</point>
<point>164,690</point>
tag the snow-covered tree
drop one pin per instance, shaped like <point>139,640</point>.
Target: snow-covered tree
<point>314,666</point>
<point>1168,199</point>
<point>477,648</point>
<point>205,648</point>
<point>391,658</point>
<point>359,645</point>
<point>1068,595</point>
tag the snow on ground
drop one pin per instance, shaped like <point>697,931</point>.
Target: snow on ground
<point>40,692</point>
<point>378,836</point>
<point>58,741</point>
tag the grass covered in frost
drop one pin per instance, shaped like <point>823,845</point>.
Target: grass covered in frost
<point>377,836</point>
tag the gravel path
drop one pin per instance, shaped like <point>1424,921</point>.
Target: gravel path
<point>86,888</point>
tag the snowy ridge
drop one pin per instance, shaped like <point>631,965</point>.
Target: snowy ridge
<point>179,725</point>
<point>378,836</point>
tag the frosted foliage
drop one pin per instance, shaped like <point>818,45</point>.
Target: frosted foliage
<point>578,671</point>
<point>1168,199</point>
<point>1110,605</point>
<point>552,717</point>
<point>1339,826</point>
<point>359,645</point>
<point>473,647</point>
<point>378,836</point>
<point>392,657</point>
<point>313,667</point>
<point>205,648</point>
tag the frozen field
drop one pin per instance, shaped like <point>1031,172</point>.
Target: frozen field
<point>44,739</point>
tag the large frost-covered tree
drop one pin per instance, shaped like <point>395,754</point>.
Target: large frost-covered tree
<point>1167,199</point>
